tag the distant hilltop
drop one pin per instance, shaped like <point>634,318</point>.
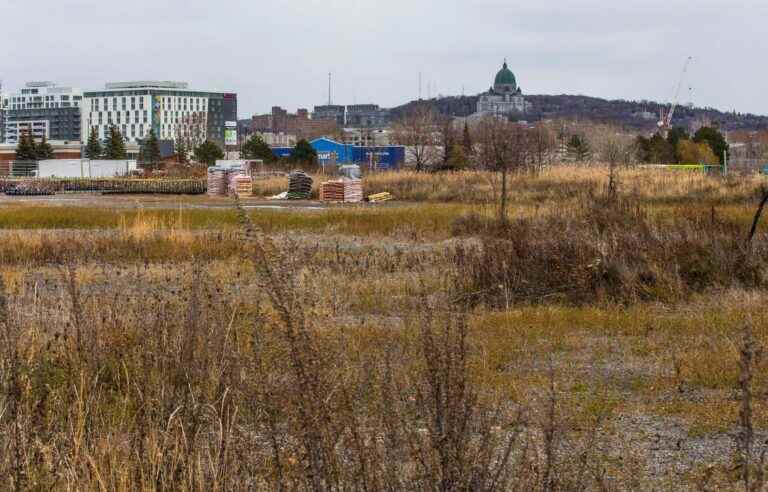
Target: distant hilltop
<point>639,115</point>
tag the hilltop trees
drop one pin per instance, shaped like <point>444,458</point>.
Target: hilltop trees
<point>114,148</point>
<point>93,149</point>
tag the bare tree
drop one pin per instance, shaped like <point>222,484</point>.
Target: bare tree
<point>543,143</point>
<point>191,131</point>
<point>448,138</point>
<point>417,132</point>
<point>503,148</point>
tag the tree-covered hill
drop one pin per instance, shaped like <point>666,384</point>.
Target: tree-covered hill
<point>641,115</point>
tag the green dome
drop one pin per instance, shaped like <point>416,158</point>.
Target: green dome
<point>505,77</point>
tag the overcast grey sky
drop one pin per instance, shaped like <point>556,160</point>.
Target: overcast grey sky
<point>280,52</point>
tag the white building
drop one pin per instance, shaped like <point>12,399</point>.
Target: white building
<point>43,109</point>
<point>3,112</point>
<point>366,137</point>
<point>170,109</point>
<point>278,139</point>
<point>504,98</point>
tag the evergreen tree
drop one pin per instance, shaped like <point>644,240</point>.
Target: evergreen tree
<point>114,149</point>
<point>25,150</point>
<point>257,148</point>
<point>579,149</point>
<point>467,141</point>
<point>661,151</point>
<point>43,150</point>
<point>714,139</point>
<point>149,151</point>
<point>207,153</point>
<point>674,136</point>
<point>643,148</point>
<point>304,152</point>
<point>93,150</point>
<point>181,152</point>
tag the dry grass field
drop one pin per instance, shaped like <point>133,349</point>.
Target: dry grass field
<point>594,341</point>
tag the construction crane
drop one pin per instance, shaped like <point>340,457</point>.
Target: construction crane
<point>665,120</point>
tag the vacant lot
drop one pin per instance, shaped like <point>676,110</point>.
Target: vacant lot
<point>596,340</point>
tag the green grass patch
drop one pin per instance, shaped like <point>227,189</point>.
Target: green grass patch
<point>419,221</point>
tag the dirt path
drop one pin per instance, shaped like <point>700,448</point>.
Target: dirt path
<point>177,201</point>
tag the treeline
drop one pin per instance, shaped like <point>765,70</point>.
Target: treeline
<point>30,150</point>
<point>639,115</point>
<point>256,148</point>
<point>706,146</point>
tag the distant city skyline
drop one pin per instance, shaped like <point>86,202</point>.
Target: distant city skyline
<point>280,54</point>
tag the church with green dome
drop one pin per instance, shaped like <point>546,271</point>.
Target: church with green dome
<point>504,98</point>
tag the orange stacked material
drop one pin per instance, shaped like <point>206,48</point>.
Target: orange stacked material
<point>242,185</point>
<point>332,191</point>
<point>353,190</point>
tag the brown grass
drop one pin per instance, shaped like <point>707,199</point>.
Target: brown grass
<point>158,356</point>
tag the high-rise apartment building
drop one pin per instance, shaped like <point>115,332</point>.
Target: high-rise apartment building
<point>3,110</point>
<point>170,109</point>
<point>367,115</point>
<point>42,109</point>
<point>332,112</point>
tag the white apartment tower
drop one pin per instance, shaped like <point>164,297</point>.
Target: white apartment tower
<point>168,108</point>
<point>43,109</point>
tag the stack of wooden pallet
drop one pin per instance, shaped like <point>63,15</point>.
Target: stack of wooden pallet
<point>242,185</point>
<point>332,191</point>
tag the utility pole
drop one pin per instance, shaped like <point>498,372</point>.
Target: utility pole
<point>329,89</point>
<point>419,86</point>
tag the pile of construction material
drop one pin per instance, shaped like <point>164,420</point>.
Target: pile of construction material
<point>299,186</point>
<point>106,185</point>
<point>150,186</point>
<point>240,185</point>
<point>353,190</point>
<point>332,191</point>
<point>223,181</point>
<point>380,197</point>
<point>217,181</point>
<point>31,188</point>
<point>342,191</point>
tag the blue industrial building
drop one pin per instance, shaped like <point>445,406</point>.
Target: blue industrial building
<point>386,156</point>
